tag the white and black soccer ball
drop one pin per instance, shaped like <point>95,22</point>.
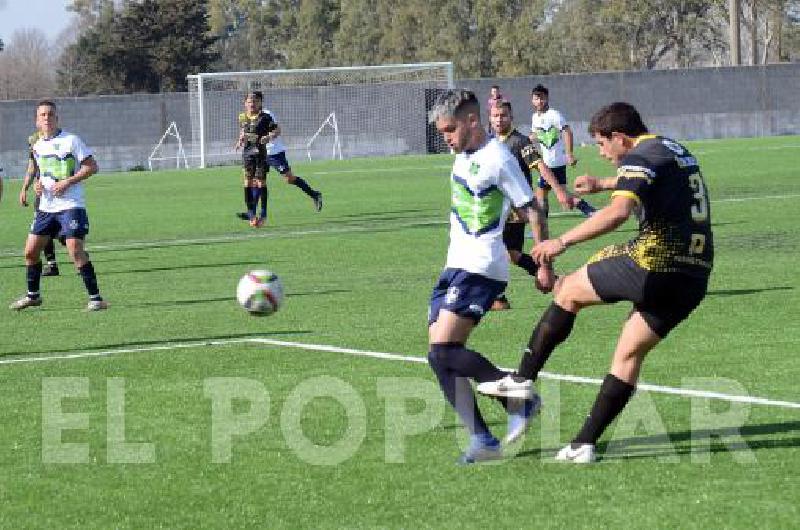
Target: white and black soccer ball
<point>260,292</point>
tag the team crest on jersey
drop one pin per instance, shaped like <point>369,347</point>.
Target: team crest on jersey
<point>452,295</point>
<point>474,168</point>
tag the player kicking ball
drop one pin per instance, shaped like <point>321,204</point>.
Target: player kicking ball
<point>486,182</point>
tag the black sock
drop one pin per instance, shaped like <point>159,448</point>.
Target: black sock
<point>613,396</point>
<point>50,252</point>
<point>303,185</point>
<point>90,280</point>
<point>33,273</point>
<point>248,199</point>
<point>526,262</point>
<point>585,208</point>
<point>554,326</point>
<point>264,195</point>
<point>454,365</point>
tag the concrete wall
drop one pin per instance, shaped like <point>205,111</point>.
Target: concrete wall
<point>686,104</point>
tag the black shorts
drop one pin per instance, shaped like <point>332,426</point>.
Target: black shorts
<point>560,172</point>
<point>664,299</point>
<point>514,236</point>
<point>254,166</point>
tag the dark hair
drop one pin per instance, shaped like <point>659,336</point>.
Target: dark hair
<point>506,105</point>
<point>46,103</point>
<point>617,117</point>
<point>454,103</point>
<point>257,94</point>
<point>496,86</point>
<point>540,90</point>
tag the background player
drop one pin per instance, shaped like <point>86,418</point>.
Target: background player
<point>253,127</point>
<point>663,271</point>
<point>486,182</point>
<point>64,162</point>
<point>276,157</point>
<point>501,116</point>
<point>554,136</point>
<point>32,174</point>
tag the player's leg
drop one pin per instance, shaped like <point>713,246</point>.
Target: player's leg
<point>636,339</point>
<point>75,227</point>
<point>33,270</point>
<point>261,181</point>
<point>49,248</point>
<point>248,195</point>
<point>279,162</point>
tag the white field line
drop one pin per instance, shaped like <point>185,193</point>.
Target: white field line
<point>683,392</point>
<point>133,245</point>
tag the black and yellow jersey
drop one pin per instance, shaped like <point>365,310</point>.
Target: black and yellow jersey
<point>524,151</point>
<point>255,127</point>
<point>32,139</point>
<point>672,201</point>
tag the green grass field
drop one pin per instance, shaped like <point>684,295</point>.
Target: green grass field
<point>334,439</point>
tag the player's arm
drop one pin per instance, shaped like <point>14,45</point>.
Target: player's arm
<point>586,184</point>
<point>566,134</point>
<point>31,172</point>
<point>88,167</point>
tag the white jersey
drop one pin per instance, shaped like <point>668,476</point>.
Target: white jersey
<point>59,158</point>
<point>276,146</point>
<point>547,128</point>
<point>484,185</point>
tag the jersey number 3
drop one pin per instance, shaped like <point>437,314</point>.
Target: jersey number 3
<point>699,211</point>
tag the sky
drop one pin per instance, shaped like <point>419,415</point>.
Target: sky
<point>50,16</point>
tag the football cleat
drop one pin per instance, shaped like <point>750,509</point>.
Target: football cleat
<point>510,386</point>
<point>96,305</point>
<point>244,216</point>
<point>50,270</point>
<point>317,198</point>
<point>577,454</point>
<point>481,450</point>
<point>520,416</point>
<point>24,302</point>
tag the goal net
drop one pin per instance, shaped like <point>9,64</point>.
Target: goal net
<point>379,110</point>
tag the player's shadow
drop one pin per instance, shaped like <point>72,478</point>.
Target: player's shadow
<point>691,442</point>
<point>740,292</point>
<point>248,263</point>
<point>167,303</point>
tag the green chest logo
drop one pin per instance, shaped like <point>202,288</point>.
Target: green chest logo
<point>549,137</point>
<point>477,212</point>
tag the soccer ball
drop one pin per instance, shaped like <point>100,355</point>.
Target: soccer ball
<point>260,292</point>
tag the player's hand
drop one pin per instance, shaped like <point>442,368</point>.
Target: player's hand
<point>60,187</point>
<point>571,160</point>
<point>546,251</point>
<point>545,278</point>
<point>23,198</point>
<point>586,184</point>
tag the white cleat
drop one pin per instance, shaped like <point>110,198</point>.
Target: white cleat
<point>509,387</point>
<point>96,305</point>
<point>25,302</point>
<point>583,454</point>
<point>520,419</point>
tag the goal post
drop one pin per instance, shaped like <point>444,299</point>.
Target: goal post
<point>377,110</point>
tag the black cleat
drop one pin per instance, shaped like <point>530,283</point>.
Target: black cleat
<point>243,216</point>
<point>317,198</point>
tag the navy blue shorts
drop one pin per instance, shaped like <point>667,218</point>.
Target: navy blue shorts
<point>559,172</point>
<point>463,293</point>
<point>279,162</point>
<point>68,224</point>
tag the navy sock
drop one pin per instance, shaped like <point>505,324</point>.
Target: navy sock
<point>33,273</point>
<point>264,196</point>
<point>526,262</point>
<point>256,198</point>
<point>613,396</point>
<point>454,365</point>
<point>251,208</point>
<point>303,185</point>
<point>90,280</point>
<point>553,328</point>
<point>585,208</point>
<point>50,251</point>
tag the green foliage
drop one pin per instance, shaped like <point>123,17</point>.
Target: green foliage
<point>147,46</point>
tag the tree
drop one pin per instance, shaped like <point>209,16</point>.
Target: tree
<point>26,67</point>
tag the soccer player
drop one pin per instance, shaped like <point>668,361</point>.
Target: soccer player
<point>495,97</point>
<point>554,135</point>
<point>485,182</point>
<point>276,157</point>
<point>528,158</point>
<point>254,124</point>
<point>32,174</point>
<point>64,162</point>
<point>663,271</point>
